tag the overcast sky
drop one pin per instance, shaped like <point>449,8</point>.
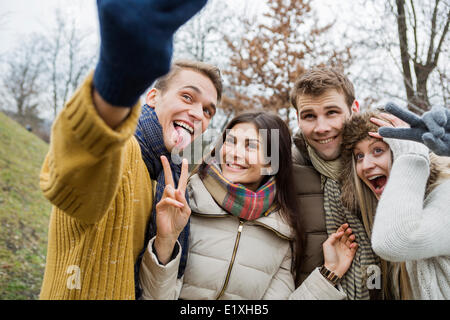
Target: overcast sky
<point>21,17</point>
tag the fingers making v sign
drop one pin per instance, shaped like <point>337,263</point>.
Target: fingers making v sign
<point>172,211</point>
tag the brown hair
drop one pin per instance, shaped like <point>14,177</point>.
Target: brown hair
<point>209,70</point>
<point>285,198</point>
<point>317,80</point>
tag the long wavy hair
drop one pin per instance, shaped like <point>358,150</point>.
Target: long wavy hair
<point>357,196</point>
<point>285,198</point>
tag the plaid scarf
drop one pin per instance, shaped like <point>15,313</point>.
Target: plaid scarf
<point>149,134</point>
<point>354,281</point>
<point>237,199</point>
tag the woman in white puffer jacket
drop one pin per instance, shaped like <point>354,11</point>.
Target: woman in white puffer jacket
<point>245,240</point>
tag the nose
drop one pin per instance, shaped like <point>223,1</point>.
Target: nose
<point>322,126</point>
<point>236,153</point>
<point>196,112</point>
<point>367,163</point>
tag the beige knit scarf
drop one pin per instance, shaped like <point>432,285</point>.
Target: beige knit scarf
<point>354,281</point>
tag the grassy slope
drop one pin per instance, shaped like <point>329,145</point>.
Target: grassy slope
<point>24,212</point>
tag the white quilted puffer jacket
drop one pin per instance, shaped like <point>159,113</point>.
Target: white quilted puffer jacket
<point>230,258</point>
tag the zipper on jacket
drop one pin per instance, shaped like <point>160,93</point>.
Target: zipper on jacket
<point>272,229</point>
<point>210,215</point>
<point>236,244</point>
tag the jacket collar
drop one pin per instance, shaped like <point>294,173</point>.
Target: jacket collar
<point>201,202</point>
<point>299,152</point>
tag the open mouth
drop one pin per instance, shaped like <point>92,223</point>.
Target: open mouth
<point>183,134</point>
<point>184,125</point>
<point>378,182</point>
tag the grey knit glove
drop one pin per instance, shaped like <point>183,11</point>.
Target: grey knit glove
<point>432,129</point>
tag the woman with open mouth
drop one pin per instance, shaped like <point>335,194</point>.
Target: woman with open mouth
<point>402,192</point>
<point>245,237</point>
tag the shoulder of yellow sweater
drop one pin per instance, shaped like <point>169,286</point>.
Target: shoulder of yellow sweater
<point>81,117</point>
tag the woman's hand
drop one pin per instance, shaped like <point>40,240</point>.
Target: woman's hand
<point>398,146</point>
<point>339,250</point>
<point>172,212</point>
<point>387,120</point>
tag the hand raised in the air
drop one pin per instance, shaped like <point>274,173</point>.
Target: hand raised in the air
<point>137,44</point>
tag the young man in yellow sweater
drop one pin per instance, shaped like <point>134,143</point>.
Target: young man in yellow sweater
<point>97,174</point>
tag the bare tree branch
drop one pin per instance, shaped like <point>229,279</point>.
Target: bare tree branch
<point>432,33</point>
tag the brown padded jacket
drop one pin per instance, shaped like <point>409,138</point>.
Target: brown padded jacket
<point>309,196</point>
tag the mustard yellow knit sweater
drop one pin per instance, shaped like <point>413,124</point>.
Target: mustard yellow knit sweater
<point>102,195</point>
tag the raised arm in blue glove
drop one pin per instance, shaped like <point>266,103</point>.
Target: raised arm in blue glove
<point>432,128</point>
<point>136,44</point>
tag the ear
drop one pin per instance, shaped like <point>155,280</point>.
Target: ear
<point>298,116</point>
<point>355,106</point>
<point>151,98</point>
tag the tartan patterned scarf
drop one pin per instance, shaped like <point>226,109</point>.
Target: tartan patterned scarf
<point>354,281</point>
<point>237,199</point>
<point>149,134</point>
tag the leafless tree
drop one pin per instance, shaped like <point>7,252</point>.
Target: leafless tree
<point>405,49</point>
<point>202,39</point>
<point>419,59</point>
<point>68,59</point>
<point>22,76</point>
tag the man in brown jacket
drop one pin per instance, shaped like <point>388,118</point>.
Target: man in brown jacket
<point>324,98</point>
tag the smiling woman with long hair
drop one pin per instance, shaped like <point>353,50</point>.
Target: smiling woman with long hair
<point>402,192</point>
<point>245,240</point>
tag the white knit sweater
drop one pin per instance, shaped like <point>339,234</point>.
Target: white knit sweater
<point>409,228</point>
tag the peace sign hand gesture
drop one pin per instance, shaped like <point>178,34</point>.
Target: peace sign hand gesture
<point>172,212</point>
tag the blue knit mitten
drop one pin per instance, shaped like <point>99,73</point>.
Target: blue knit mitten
<point>136,44</point>
<point>432,129</point>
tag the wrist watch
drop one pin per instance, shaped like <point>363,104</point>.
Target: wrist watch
<point>329,275</point>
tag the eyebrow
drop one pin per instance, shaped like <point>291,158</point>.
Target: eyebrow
<point>196,89</point>
<point>374,140</point>
<point>326,107</point>
<point>249,139</point>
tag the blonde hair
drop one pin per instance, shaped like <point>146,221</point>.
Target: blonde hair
<point>439,171</point>
<point>356,195</point>
<point>367,203</point>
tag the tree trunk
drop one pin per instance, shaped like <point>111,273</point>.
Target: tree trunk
<point>404,54</point>
<point>420,99</point>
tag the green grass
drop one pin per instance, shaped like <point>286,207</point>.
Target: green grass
<point>24,212</point>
